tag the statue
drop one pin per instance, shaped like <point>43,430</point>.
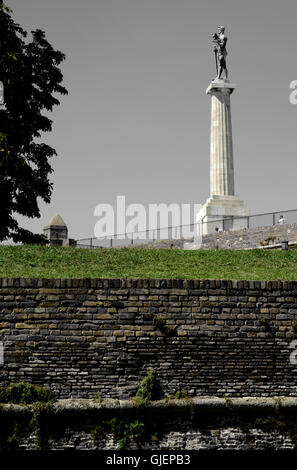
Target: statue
<point>220,52</point>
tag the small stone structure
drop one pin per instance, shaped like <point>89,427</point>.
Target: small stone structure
<point>56,232</point>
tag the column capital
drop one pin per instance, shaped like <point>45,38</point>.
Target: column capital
<point>221,86</point>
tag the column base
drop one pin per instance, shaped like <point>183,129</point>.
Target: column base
<point>222,213</point>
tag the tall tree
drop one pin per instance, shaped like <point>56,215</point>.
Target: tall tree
<point>29,70</point>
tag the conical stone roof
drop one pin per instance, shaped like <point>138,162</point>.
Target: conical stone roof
<point>56,221</point>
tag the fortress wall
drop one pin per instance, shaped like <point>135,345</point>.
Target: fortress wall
<point>198,424</point>
<point>208,337</point>
<point>246,238</point>
<point>250,238</point>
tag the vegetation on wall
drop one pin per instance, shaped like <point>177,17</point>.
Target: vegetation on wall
<point>125,432</point>
<point>149,389</point>
<point>40,399</point>
<point>24,393</point>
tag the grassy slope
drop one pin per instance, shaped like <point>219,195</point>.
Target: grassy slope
<point>49,262</point>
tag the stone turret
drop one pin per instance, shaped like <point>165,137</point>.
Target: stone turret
<point>56,232</point>
<point>56,229</point>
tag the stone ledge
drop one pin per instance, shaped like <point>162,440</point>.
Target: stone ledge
<point>141,283</point>
<point>171,406</point>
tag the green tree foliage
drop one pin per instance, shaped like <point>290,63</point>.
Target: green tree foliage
<point>29,70</point>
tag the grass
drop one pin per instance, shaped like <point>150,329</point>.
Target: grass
<point>51,262</point>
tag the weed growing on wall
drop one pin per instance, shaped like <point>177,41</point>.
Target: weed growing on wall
<point>24,393</point>
<point>149,390</point>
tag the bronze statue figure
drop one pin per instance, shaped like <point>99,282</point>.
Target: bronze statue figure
<point>220,52</point>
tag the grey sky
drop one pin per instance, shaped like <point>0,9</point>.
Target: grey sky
<point>136,121</point>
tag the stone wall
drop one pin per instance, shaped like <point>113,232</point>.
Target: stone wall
<point>197,424</point>
<point>250,238</point>
<point>208,337</point>
<point>234,239</point>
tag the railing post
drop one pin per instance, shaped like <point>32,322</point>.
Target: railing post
<point>273,218</point>
<point>110,242</point>
<point>132,239</point>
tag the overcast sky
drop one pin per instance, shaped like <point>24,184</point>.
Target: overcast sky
<point>136,121</point>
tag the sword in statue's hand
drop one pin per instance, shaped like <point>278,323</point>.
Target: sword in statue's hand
<point>216,56</point>
<point>215,39</point>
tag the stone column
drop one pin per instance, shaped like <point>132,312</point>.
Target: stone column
<point>221,145</point>
<point>223,210</point>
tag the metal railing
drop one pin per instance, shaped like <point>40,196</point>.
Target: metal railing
<point>141,237</point>
<point>188,232</point>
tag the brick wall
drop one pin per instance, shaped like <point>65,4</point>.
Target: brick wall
<point>213,338</point>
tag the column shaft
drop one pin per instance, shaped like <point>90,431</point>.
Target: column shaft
<point>221,147</point>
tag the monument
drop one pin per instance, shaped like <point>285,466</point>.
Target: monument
<point>223,210</point>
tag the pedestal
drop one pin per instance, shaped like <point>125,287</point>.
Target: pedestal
<point>222,213</point>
